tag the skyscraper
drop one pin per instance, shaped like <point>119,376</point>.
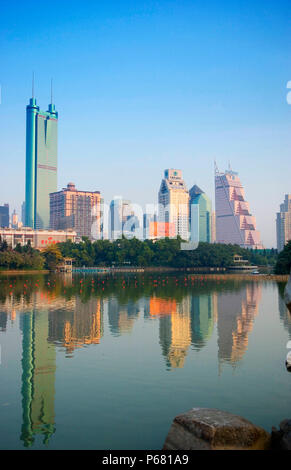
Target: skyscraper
<point>284,223</point>
<point>41,163</point>
<point>202,217</point>
<point>234,222</point>
<point>78,210</point>
<point>174,202</point>
<point>4,216</point>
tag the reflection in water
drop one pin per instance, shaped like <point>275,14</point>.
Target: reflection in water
<point>175,333</point>
<point>3,321</point>
<point>203,316</point>
<point>38,378</point>
<point>79,326</point>
<point>285,315</point>
<point>236,313</point>
<point>68,313</point>
<point>121,317</point>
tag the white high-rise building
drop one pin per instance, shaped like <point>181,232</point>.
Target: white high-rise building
<point>284,223</point>
<point>174,202</point>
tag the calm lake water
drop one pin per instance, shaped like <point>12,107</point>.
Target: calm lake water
<point>107,362</point>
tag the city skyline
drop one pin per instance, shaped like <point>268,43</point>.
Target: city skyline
<point>225,100</point>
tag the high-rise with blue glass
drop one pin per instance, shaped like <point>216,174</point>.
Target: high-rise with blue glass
<point>41,163</point>
<point>201,218</point>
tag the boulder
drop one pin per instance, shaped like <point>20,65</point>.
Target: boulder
<point>287,294</point>
<point>281,439</point>
<point>210,429</point>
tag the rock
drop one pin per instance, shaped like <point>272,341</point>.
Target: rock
<point>210,429</point>
<point>287,294</point>
<point>281,439</point>
<point>288,361</point>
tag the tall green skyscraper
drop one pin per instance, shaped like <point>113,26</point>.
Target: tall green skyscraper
<point>201,221</point>
<point>41,163</point>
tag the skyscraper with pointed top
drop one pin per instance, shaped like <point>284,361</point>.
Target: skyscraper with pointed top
<point>41,162</point>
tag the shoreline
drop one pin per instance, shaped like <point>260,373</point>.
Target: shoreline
<point>23,271</point>
<point>243,277</point>
<point>194,275</point>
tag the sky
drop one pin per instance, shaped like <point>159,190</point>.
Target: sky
<point>141,86</point>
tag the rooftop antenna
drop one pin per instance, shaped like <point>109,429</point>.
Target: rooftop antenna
<point>216,171</point>
<point>32,84</point>
<point>51,91</point>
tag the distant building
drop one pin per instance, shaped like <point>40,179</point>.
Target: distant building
<point>161,230</point>
<point>39,239</point>
<point>174,202</point>
<point>77,210</point>
<point>147,220</point>
<point>234,222</point>
<point>200,219</point>
<point>4,215</point>
<point>15,223</point>
<point>213,227</point>
<point>41,163</point>
<point>284,223</point>
<point>123,220</point>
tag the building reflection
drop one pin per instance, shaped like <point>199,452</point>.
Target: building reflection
<point>3,321</point>
<point>203,317</point>
<point>77,327</point>
<point>121,317</point>
<point>285,316</point>
<point>174,328</point>
<point>38,378</point>
<point>236,313</point>
<point>186,320</point>
<point>189,321</point>
<point>48,320</point>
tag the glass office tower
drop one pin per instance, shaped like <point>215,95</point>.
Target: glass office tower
<point>41,163</point>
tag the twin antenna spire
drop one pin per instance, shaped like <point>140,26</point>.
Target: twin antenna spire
<point>33,88</point>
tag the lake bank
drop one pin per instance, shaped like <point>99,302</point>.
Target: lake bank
<point>192,274</point>
<point>12,272</point>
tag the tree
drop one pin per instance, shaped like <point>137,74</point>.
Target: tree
<point>283,264</point>
<point>53,257</point>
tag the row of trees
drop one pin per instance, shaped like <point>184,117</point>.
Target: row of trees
<point>164,252</point>
<point>122,252</point>
<point>22,257</point>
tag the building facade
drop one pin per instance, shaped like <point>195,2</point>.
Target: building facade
<point>41,163</point>
<point>234,222</point>
<point>200,219</point>
<point>174,202</point>
<point>38,239</point>
<point>123,220</point>
<point>213,227</point>
<point>4,215</point>
<point>283,223</point>
<point>77,210</point>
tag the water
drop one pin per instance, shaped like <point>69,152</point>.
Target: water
<point>106,363</point>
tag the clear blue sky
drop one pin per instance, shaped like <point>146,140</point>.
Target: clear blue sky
<point>141,86</point>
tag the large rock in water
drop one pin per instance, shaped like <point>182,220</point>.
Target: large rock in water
<point>210,429</point>
<point>287,295</point>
